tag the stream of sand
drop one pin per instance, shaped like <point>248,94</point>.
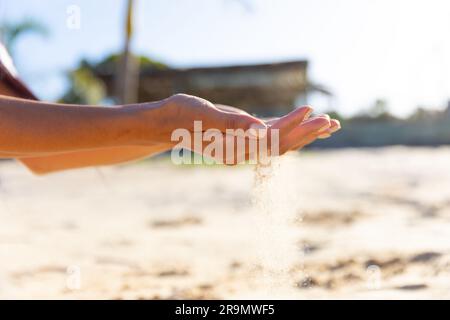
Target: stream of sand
<point>276,206</point>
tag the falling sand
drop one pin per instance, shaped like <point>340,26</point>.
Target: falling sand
<point>276,205</point>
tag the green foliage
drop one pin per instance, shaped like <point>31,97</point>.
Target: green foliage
<point>85,87</point>
<point>110,64</point>
<point>11,32</point>
<point>379,111</point>
<point>425,114</point>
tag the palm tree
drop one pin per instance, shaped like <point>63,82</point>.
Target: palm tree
<point>128,72</point>
<point>11,32</point>
<point>86,87</point>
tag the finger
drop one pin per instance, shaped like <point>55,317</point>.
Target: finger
<point>287,123</point>
<point>312,127</point>
<point>304,142</point>
<point>323,116</point>
<point>334,126</point>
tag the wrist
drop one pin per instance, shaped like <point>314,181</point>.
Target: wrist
<point>143,121</point>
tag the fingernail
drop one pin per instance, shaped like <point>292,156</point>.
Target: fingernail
<point>334,129</point>
<point>325,127</point>
<point>308,114</point>
<point>257,130</point>
<point>324,136</point>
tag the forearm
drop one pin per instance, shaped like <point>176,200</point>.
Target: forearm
<point>88,158</point>
<point>36,128</point>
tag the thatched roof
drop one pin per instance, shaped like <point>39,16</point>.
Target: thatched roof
<point>265,89</point>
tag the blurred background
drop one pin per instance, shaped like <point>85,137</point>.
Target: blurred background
<point>373,200</point>
<point>365,61</point>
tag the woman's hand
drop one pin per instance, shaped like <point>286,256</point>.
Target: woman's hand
<point>319,127</point>
<point>50,137</point>
<point>181,111</point>
<point>295,132</point>
<point>296,129</point>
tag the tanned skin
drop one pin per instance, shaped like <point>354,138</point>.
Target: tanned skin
<point>49,137</point>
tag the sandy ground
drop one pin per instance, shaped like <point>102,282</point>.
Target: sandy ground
<point>330,224</point>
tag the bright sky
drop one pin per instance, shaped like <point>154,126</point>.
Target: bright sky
<point>360,49</point>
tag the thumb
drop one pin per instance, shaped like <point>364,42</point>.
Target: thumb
<point>290,121</point>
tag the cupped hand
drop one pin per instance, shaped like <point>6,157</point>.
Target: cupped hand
<point>296,136</point>
<point>296,129</point>
<point>180,111</point>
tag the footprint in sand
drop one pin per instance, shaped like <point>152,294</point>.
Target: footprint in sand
<point>173,273</point>
<point>175,223</point>
<point>411,287</point>
<point>330,218</point>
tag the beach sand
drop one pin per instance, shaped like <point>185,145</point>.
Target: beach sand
<point>351,223</point>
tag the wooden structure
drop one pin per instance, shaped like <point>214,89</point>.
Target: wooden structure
<point>263,89</point>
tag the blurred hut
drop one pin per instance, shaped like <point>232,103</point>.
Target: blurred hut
<point>263,89</point>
